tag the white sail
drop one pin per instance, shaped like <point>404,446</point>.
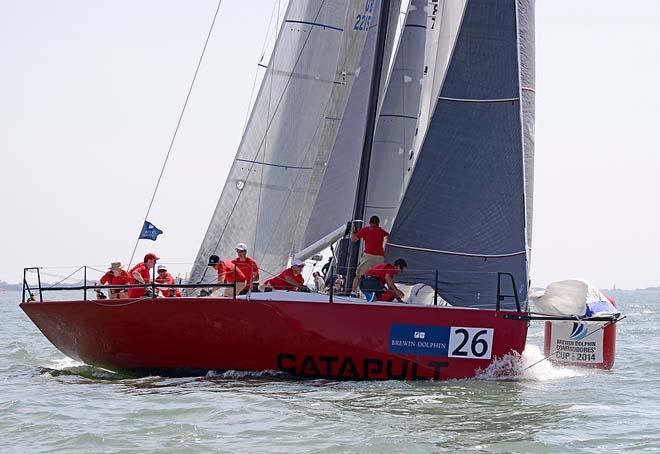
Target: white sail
<point>334,204</point>
<point>352,48</point>
<point>397,120</point>
<point>265,189</point>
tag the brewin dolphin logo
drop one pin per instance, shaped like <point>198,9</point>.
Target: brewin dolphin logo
<point>579,331</point>
<point>419,340</point>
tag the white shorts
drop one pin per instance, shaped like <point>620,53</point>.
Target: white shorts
<point>367,261</point>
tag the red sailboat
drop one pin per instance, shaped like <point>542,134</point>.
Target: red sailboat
<point>442,112</point>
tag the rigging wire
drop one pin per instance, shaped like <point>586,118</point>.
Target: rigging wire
<point>178,124</point>
<point>265,148</point>
<point>276,7</point>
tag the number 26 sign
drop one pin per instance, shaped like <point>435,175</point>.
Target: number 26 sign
<point>470,342</point>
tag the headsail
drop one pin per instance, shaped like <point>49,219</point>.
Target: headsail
<point>261,199</point>
<point>464,210</point>
<point>397,121</point>
<point>444,21</point>
<point>527,93</point>
<point>334,203</point>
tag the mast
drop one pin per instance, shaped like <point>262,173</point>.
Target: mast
<point>365,161</point>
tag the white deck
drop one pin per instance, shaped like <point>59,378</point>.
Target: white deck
<point>285,295</point>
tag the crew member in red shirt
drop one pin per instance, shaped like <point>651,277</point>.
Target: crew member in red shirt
<point>378,281</point>
<point>247,265</point>
<point>164,277</point>
<point>141,274</point>
<point>289,279</point>
<point>374,254</point>
<point>227,271</point>
<point>116,276</point>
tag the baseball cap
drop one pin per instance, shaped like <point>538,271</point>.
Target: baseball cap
<point>241,247</point>
<point>298,262</point>
<point>151,256</point>
<point>162,268</point>
<point>213,260</point>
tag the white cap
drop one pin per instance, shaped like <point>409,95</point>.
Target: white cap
<point>297,262</point>
<point>241,246</point>
<point>162,267</point>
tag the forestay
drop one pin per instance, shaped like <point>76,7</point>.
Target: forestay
<point>260,202</point>
<point>464,210</point>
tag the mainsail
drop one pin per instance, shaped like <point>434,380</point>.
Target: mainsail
<point>464,212</point>
<point>260,202</point>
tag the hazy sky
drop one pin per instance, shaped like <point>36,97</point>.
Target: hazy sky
<point>90,92</point>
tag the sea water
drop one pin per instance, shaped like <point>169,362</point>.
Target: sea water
<point>51,403</point>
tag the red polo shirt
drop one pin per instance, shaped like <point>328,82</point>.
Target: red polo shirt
<point>167,278</point>
<point>143,270</point>
<point>380,271</point>
<point>373,237</point>
<point>248,267</point>
<point>279,283</point>
<point>226,272</point>
<point>110,278</point>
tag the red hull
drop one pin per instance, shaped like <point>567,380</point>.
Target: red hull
<point>331,340</point>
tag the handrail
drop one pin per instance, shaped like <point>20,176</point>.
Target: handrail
<point>127,286</point>
<point>500,297</point>
<point>153,285</point>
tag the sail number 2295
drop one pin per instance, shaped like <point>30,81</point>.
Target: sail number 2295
<point>363,21</point>
<point>470,342</point>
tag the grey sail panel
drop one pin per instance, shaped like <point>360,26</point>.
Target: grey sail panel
<point>269,176</point>
<point>442,29</point>
<point>527,91</point>
<point>397,121</point>
<point>463,212</point>
<point>334,204</point>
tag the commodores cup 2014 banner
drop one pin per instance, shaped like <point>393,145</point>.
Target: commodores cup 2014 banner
<point>577,342</point>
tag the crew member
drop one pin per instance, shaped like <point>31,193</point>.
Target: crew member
<point>164,277</point>
<point>228,273</point>
<point>319,283</point>
<point>247,265</point>
<point>141,274</point>
<point>378,282</point>
<point>116,275</point>
<point>289,279</point>
<point>374,254</point>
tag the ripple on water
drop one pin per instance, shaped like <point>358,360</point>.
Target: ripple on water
<point>52,403</point>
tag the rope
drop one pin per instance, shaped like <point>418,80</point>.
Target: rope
<point>67,277</point>
<point>178,124</point>
<point>557,351</point>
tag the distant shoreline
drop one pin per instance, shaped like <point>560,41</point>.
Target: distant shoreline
<point>6,286</point>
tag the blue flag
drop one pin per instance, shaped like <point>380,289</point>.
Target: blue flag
<point>149,231</point>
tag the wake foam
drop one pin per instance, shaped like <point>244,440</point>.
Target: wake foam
<point>70,367</point>
<point>528,366</point>
<point>243,374</point>
<point>544,370</point>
